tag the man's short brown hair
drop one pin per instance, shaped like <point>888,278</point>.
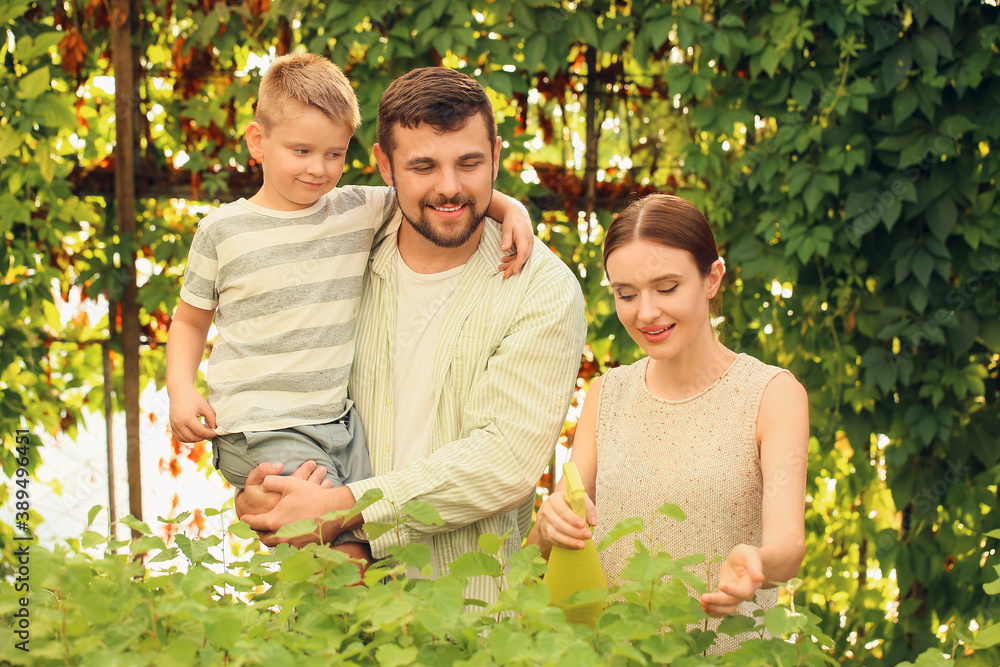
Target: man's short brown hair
<point>441,97</point>
<point>308,79</point>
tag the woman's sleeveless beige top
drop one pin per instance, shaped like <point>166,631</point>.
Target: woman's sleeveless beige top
<point>699,453</point>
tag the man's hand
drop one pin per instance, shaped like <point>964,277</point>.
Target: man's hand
<point>740,577</point>
<point>187,407</point>
<point>269,502</point>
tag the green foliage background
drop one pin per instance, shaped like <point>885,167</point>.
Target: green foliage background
<point>845,151</point>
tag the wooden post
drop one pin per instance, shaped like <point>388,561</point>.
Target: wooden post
<point>126,99</point>
<point>109,413</point>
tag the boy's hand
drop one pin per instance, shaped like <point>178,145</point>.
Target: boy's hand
<point>186,411</point>
<point>253,499</point>
<point>517,231</point>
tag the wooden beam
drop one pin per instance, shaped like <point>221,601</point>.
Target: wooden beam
<point>125,64</point>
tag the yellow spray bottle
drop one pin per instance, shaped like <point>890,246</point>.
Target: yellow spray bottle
<point>572,570</point>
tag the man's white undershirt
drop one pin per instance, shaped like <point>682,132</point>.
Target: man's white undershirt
<point>421,303</point>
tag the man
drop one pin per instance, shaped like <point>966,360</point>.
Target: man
<point>462,379</point>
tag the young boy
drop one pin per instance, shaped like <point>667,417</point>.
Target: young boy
<point>281,275</point>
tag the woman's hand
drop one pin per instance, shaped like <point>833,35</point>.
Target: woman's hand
<point>740,577</point>
<point>557,524</point>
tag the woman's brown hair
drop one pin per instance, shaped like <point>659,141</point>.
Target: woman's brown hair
<point>665,219</point>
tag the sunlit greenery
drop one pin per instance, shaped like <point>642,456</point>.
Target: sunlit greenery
<point>845,152</point>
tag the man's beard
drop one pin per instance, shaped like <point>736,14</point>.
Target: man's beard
<point>458,236</point>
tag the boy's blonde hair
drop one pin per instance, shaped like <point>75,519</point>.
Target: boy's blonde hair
<point>309,79</point>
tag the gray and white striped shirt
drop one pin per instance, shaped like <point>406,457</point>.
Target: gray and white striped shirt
<point>286,285</point>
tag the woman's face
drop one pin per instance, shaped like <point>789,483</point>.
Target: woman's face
<point>661,298</point>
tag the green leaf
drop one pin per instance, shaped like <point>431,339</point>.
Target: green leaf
<point>524,17</point>
<point>183,516</point>
<point>92,539</point>
<point>584,24</point>
<point>941,40</point>
<point>242,530</point>
<point>989,331</point>
<point>897,142</point>
<point>812,195</point>
<point>621,529</point>
<point>298,528</point>
<point>735,624</point>
<point>147,543</point>
<point>28,49</point>
<point>892,213</point>
<point>197,580</point>
<point>896,65</point>
<point>770,59</point>
<point>932,658</point>
<point>915,151</point>
<point>475,564</point>
<point>415,555</point>
<point>34,83</point>
<point>857,203</point>
<point>673,511</point>
<point>376,529</point>
<point>943,12</point>
<point>47,168</point>
<point>630,653</point>
<point>957,125</point>
<point>534,50</point>
<point>422,512</point>
<point>93,513</point>
<point>367,499</point>
<point>225,627</point>
<point>904,103</point>
<point>781,621</point>
<point>526,563</point>
<point>196,550</point>
<point>918,298</point>
<point>941,217</point>
<point>490,543</point>
<point>164,556</point>
<point>300,566</point>
<point>665,647</point>
<point>924,52</point>
<point>922,266</point>
<point>136,525</point>
<point>926,428</point>
<point>10,140</point>
<point>390,655</point>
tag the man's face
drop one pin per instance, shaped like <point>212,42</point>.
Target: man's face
<point>444,180</point>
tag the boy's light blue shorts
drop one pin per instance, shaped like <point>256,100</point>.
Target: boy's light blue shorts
<point>339,445</point>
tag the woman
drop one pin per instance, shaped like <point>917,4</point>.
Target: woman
<point>720,434</point>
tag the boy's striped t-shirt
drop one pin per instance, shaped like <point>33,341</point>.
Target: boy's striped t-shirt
<point>286,286</point>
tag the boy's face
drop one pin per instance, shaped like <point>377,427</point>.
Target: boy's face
<point>443,180</point>
<point>302,157</point>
